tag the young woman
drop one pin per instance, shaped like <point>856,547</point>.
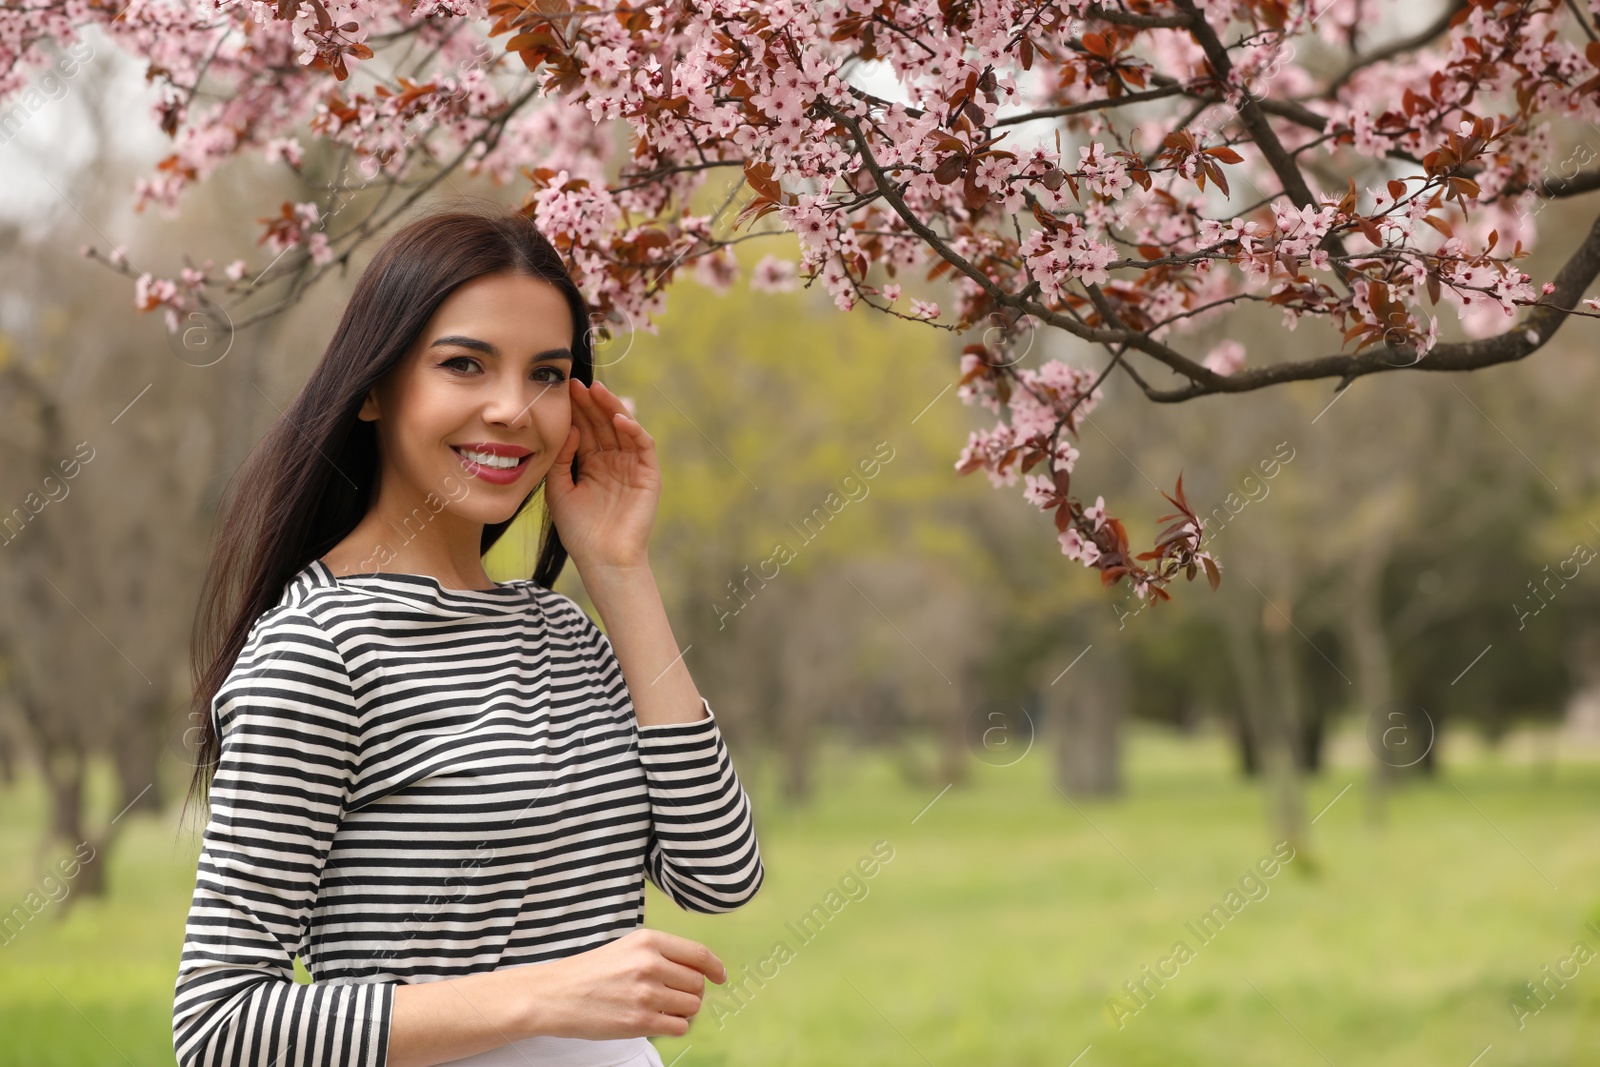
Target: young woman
<point>421,781</point>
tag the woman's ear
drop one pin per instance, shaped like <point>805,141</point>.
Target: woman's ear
<point>369,406</point>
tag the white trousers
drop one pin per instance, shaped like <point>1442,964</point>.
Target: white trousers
<point>567,1052</point>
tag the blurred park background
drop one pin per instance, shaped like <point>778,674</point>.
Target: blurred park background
<point>1397,684</point>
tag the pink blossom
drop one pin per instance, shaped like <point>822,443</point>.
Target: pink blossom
<point>283,148</point>
<point>1073,546</point>
<point>774,275</point>
<point>716,270</point>
<point>1039,491</point>
<point>1097,513</point>
<point>1225,357</point>
<point>1106,175</point>
<point>317,245</point>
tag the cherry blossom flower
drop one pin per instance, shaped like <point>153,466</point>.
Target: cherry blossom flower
<point>1225,357</point>
<point>774,275</point>
<point>1074,546</point>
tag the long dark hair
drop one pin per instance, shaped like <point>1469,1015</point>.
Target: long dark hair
<point>308,482</point>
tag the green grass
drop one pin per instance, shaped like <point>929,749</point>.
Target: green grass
<point>1007,918</point>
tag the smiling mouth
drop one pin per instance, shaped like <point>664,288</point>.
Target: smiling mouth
<point>491,461</point>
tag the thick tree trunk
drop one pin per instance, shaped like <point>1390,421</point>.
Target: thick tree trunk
<point>1285,699</point>
<point>1088,724</point>
<point>8,762</point>
<point>1368,642</point>
<point>1244,737</point>
<point>64,768</point>
<point>1267,687</point>
<point>138,759</point>
<point>1313,733</point>
<point>955,757</point>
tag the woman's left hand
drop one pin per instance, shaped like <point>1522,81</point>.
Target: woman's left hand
<point>605,517</point>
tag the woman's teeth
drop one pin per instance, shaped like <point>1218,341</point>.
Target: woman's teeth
<point>485,459</point>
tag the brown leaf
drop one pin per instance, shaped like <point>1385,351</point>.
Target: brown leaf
<point>950,169</point>
<point>1439,224</point>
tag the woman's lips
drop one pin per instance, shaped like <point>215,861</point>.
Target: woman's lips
<point>493,475</point>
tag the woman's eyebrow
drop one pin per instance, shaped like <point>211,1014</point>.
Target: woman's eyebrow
<point>458,341</point>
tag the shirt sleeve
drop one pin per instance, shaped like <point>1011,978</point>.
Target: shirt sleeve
<point>703,852</point>
<point>289,725</point>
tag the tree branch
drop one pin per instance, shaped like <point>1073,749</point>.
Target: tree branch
<point>1396,48</point>
<point>954,258</point>
<point>1141,22</point>
<point>1520,341</point>
<point>1103,104</point>
<point>1557,188</point>
<point>1250,113</point>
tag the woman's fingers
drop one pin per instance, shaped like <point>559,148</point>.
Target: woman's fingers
<point>689,954</point>
<point>582,416</point>
<point>672,1002</point>
<point>598,415</point>
<point>561,468</point>
<point>686,979</point>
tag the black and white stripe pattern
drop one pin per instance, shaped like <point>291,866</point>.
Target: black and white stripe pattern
<point>418,783</point>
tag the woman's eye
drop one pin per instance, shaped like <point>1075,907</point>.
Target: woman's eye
<point>558,375</point>
<point>459,363</point>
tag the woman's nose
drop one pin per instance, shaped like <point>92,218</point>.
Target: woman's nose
<point>513,403</point>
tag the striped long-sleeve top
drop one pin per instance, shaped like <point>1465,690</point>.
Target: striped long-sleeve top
<point>417,783</point>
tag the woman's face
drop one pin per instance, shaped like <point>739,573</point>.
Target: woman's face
<point>477,409</point>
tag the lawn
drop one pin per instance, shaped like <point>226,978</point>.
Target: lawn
<point>1007,919</point>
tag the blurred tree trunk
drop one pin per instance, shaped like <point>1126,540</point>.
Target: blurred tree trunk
<point>1285,701</point>
<point>1090,702</point>
<point>1244,738</point>
<point>65,771</point>
<point>1313,735</point>
<point>137,752</point>
<point>1266,670</point>
<point>1365,633</point>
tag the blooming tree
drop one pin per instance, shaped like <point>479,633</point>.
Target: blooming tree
<point>1124,172</point>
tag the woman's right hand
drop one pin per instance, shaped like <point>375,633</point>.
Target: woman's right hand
<point>647,983</point>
